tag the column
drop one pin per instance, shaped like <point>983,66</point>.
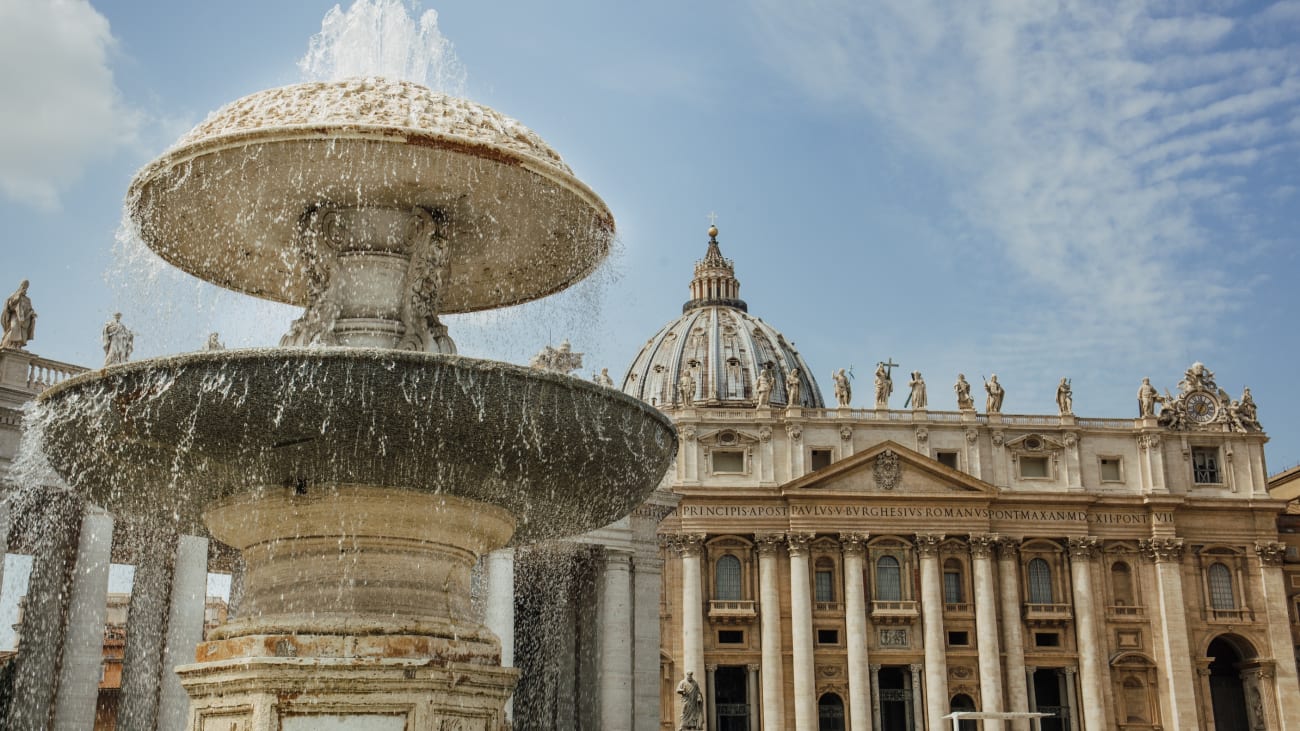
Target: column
<point>710,696</point>
<point>616,643</point>
<point>805,688</point>
<point>647,583</point>
<point>186,615</point>
<point>986,628</point>
<point>45,610</point>
<point>1018,685</point>
<point>692,551</point>
<point>918,711</point>
<point>146,627</point>
<point>1082,551</point>
<point>936,648</point>
<point>751,695</point>
<point>1033,696</point>
<point>83,645</point>
<point>855,621</point>
<point>1271,554</point>
<point>499,614</point>
<point>1072,697</point>
<point>1175,659</point>
<point>875,695</point>
<point>769,617</point>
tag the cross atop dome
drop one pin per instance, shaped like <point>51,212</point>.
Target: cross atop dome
<point>715,280</point>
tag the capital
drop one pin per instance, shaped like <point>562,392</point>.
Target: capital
<point>794,431</point>
<point>689,545</point>
<point>854,544</point>
<point>799,543</point>
<point>768,544</point>
<point>982,545</point>
<point>1162,549</point>
<point>1084,548</point>
<point>1271,553</point>
<point>1008,547</point>
<point>927,544</point>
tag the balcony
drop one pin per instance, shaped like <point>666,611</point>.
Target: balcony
<point>1230,616</point>
<point>1047,615</point>
<point>732,611</point>
<point>958,609</point>
<point>1123,613</point>
<point>893,612</point>
<point>828,608</point>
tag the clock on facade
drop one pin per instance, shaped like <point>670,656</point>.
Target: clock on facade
<point>1202,407</point>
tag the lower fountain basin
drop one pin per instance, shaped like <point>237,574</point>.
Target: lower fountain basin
<point>167,437</point>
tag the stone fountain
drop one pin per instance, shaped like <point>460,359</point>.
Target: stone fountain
<point>362,467</point>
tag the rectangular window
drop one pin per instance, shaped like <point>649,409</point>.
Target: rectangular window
<point>1110,471</point>
<point>958,639</point>
<point>821,459</point>
<point>1033,467</point>
<point>1205,466</point>
<point>947,459</point>
<point>825,586</point>
<point>828,637</point>
<point>731,637</point>
<point>1047,639</point>
<point>730,461</point>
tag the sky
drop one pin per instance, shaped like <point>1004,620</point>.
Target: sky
<point>1037,189</point>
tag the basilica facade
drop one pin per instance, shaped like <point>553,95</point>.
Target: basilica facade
<point>834,567</point>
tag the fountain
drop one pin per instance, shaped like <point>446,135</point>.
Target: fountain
<point>361,467</point>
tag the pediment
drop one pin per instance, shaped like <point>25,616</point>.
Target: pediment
<point>728,438</point>
<point>1035,443</point>
<point>890,468</point>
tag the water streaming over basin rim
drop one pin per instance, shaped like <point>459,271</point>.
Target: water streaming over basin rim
<point>225,203</point>
<point>163,438</point>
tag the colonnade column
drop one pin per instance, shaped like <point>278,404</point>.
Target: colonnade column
<point>1082,552</point>
<point>936,660</point>
<point>83,641</point>
<point>647,582</point>
<point>499,614</point>
<point>1175,653</point>
<point>805,689</point>
<point>1012,629</point>
<point>1271,554</point>
<point>855,620</point>
<point>769,617</point>
<point>146,626</point>
<point>187,607</point>
<point>986,628</point>
<point>692,550</point>
<point>616,642</point>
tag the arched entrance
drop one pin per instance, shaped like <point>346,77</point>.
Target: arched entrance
<point>830,713</point>
<point>1227,653</point>
<point>963,702</point>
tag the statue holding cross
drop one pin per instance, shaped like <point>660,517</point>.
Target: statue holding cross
<point>884,383</point>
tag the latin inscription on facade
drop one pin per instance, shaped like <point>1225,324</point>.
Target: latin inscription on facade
<point>922,512</point>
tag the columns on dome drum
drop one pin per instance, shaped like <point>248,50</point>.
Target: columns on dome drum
<point>855,616</point>
<point>769,617</point>
<point>936,662</point>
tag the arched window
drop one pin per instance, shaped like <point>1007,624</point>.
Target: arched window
<point>726,579</point>
<point>952,593</point>
<point>889,580</point>
<point>963,702</point>
<point>1121,584</point>
<point>1040,582</point>
<point>830,713</point>
<point>1221,587</point>
<point>824,580</point>
<point>1136,705</point>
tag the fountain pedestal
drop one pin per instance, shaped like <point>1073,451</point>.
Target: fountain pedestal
<point>355,613</point>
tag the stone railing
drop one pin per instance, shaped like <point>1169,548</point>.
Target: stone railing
<point>892,612</point>
<point>828,607</point>
<point>1123,611</point>
<point>958,608</point>
<point>920,417</point>
<point>43,373</point>
<point>730,610</point>
<point>1047,614</point>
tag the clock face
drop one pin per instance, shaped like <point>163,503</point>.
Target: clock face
<point>1201,407</point>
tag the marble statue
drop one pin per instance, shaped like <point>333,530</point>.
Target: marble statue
<point>1147,398</point>
<point>918,398</point>
<point>18,319</point>
<point>603,378</point>
<point>1065,397</point>
<point>1198,378</point>
<point>692,715</point>
<point>557,360</point>
<point>686,389</point>
<point>843,390</point>
<point>214,343</point>
<point>1243,413</point>
<point>884,386</point>
<point>962,387</point>
<point>118,340</point>
<point>993,404</point>
<point>792,388</point>
<point>763,388</point>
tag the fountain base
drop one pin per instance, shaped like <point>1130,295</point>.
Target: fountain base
<point>355,614</point>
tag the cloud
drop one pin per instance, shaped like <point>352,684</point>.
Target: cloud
<point>62,110</point>
<point>1101,146</point>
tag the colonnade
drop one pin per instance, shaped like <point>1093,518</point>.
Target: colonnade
<point>1005,681</point>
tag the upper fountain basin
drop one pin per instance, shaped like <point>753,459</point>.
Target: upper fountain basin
<point>225,203</point>
<point>167,437</point>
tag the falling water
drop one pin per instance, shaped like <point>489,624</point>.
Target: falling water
<point>383,38</point>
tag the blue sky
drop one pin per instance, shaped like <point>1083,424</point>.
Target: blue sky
<point>1039,189</point>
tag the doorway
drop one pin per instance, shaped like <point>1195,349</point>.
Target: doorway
<point>895,699</point>
<point>1227,691</point>
<point>730,694</point>
<point>1050,697</point>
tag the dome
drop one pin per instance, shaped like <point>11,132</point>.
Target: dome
<point>720,345</point>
